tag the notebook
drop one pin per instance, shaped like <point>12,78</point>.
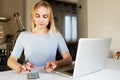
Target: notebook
<point>92,55</point>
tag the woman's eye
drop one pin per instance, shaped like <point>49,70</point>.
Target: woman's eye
<point>37,15</point>
<point>45,16</point>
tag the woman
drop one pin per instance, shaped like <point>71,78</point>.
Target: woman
<point>41,43</point>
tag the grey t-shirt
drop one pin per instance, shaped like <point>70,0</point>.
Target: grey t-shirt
<point>39,50</point>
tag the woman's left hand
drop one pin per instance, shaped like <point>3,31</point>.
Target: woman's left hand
<point>29,66</point>
<point>50,66</point>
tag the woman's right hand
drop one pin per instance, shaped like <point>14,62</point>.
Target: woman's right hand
<point>24,68</point>
<point>29,66</point>
<point>13,64</point>
<point>20,68</point>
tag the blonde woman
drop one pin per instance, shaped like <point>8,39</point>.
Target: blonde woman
<point>41,43</point>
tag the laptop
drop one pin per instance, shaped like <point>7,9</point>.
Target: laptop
<point>92,55</point>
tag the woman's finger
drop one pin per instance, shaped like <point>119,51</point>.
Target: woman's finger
<point>50,66</point>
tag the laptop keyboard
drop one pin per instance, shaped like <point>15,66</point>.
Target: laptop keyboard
<point>69,71</point>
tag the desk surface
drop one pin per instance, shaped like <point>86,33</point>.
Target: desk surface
<point>111,72</point>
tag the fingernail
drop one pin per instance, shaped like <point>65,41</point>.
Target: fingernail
<point>26,69</point>
<point>30,65</point>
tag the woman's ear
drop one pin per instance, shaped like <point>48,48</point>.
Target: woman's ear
<point>48,25</point>
<point>33,23</point>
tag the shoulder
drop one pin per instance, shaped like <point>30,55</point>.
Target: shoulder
<point>24,33</point>
<point>56,35</point>
<point>59,36</point>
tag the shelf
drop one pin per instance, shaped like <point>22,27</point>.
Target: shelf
<point>4,19</point>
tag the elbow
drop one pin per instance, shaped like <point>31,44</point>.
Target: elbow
<point>70,60</point>
<point>8,62</point>
<point>11,61</point>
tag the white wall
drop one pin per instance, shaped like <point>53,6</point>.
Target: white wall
<point>12,6</point>
<point>28,8</point>
<point>103,20</point>
<point>72,1</point>
<point>24,7</point>
<point>1,8</point>
<point>82,18</point>
<point>8,8</point>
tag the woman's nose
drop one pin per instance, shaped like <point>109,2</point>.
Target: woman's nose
<point>40,19</point>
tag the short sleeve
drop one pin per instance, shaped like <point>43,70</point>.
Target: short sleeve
<point>18,48</point>
<point>62,47</point>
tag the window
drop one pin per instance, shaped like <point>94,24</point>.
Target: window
<point>70,27</point>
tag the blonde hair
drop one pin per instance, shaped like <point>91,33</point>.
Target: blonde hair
<point>51,26</point>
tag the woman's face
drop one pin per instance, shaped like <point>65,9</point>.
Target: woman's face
<point>41,17</point>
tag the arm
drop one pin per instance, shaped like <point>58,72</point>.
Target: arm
<point>13,64</point>
<point>64,51</point>
<point>16,53</point>
<point>67,60</point>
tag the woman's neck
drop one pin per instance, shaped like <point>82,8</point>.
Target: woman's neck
<point>39,32</point>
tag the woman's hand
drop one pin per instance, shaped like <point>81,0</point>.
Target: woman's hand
<point>50,66</point>
<point>20,68</point>
<point>24,68</point>
<point>29,66</point>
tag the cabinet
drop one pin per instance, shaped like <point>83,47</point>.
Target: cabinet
<point>3,22</point>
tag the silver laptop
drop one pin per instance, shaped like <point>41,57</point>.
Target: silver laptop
<point>92,55</point>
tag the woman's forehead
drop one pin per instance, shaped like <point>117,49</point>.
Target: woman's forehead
<point>42,10</point>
